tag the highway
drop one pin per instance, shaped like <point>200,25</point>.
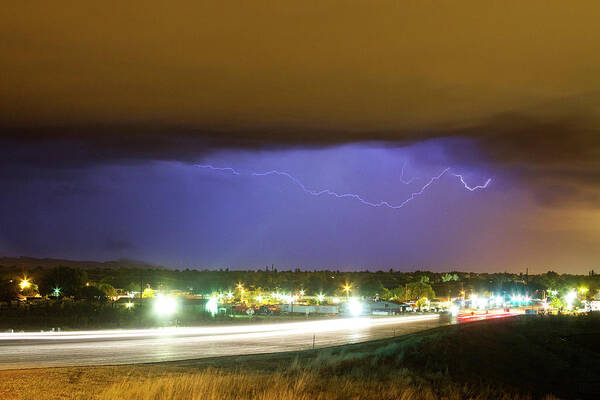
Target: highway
<point>112,347</point>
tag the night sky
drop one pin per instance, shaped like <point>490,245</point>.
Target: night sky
<point>109,112</point>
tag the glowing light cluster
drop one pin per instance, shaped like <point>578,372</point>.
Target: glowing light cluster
<point>25,284</point>
<point>570,299</point>
<point>212,306</point>
<point>355,196</point>
<point>355,307</point>
<point>165,306</point>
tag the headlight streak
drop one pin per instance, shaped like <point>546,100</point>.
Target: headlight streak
<point>217,333</point>
<point>355,196</point>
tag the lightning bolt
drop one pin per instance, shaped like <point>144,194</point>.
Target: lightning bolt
<point>473,188</point>
<point>233,171</point>
<point>406,182</point>
<point>355,196</point>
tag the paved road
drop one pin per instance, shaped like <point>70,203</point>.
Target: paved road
<point>37,350</point>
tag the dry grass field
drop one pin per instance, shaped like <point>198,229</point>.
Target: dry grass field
<point>157,383</point>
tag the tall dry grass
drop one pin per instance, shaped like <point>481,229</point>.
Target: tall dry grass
<point>219,385</point>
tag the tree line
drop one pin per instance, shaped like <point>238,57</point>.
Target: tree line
<point>396,285</point>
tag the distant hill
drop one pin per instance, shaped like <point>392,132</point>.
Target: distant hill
<point>31,262</point>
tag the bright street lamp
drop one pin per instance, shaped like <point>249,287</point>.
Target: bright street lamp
<point>570,298</point>
<point>355,307</point>
<point>165,306</point>
<point>25,284</point>
<point>241,288</point>
<point>347,288</point>
<point>212,306</point>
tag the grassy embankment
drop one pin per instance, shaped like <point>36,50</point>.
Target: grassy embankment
<point>502,359</point>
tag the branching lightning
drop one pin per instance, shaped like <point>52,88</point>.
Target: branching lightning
<point>472,188</point>
<point>233,171</point>
<point>355,196</point>
<point>406,182</point>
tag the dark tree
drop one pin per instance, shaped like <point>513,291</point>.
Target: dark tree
<point>68,280</point>
<point>92,294</point>
<point>8,290</point>
<point>371,287</point>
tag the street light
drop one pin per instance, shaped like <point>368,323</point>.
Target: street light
<point>347,288</point>
<point>240,286</point>
<point>25,284</point>
<point>56,292</point>
<point>212,306</point>
<point>355,307</point>
<point>165,305</point>
<point>570,298</point>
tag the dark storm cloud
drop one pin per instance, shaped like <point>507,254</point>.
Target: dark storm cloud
<point>87,84</point>
<point>554,150</point>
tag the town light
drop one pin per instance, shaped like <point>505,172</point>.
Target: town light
<point>347,288</point>
<point>473,298</point>
<point>321,297</point>
<point>454,310</point>
<point>570,298</point>
<point>25,284</point>
<point>129,305</point>
<point>516,298</point>
<point>165,306</point>
<point>56,291</point>
<point>482,303</point>
<point>212,306</point>
<point>545,304</point>
<point>355,307</point>
<point>240,286</point>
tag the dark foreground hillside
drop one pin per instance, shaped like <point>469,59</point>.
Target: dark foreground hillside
<point>559,355</point>
<point>524,358</point>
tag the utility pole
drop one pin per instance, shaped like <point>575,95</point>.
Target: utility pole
<point>141,286</point>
